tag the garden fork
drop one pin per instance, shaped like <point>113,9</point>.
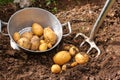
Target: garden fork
<point>90,39</point>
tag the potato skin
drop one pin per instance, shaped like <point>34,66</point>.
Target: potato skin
<point>37,29</point>
<point>24,42</point>
<point>62,57</point>
<point>73,50</point>
<point>49,45</point>
<point>28,35</point>
<point>81,58</point>
<point>35,43</point>
<point>49,35</point>
<point>73,64</point>
<point>55,68</point>
<point>42,41</point>
<point>43,47</point>
<point>16,36</point>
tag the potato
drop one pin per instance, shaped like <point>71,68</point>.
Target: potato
<point>42,41</point>
<point>64,67</point>
<point>73,50</point>
<point>16,36</point>
<point>55,68</point>
<point>62,57</point>
<point>49,45</point>
<point>73,64</point>
<point>37,29</point>
<point>35,43</point>
<point>49,35</point>
<point>28,35</point>
<point>43,47</point>
<point>67,47</point>
<point>81,58</point>
<point>24,42</point>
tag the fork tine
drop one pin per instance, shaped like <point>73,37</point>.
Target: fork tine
<point>77,35</point>
<point>89,50</point>
<point>81,34</point>
<point>82,43</point>
<point>91,43</point>
<point>98,51</point>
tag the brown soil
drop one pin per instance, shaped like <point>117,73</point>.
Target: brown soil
<point>17,65</point>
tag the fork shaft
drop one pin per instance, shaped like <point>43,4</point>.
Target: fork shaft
<point>101,17</point>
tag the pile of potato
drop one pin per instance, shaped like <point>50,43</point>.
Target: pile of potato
<point>38,39</point>
<point>70,56</point>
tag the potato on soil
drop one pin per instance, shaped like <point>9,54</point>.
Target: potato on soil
<point>81,58</point>
<point>37,29</point>
<point>16,36</point>
<point>35,43</point>
<point>24,42</point>
<point>73,64</point>
<point>55,68</point>
<point>28,35</point>
<point>62,57</point>
<point>73,50</point>
<point>64,67</point>
<point>67,47</point>
<point>49,35</point>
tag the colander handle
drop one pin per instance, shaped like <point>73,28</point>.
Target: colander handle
<point>12,43</point>
<point>69,28</point>
<point>1,25</point>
